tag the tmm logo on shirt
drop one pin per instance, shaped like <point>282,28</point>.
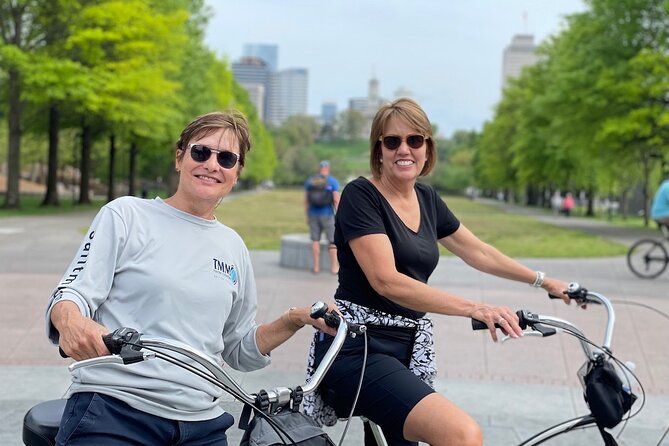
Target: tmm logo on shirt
<point>228,270</point>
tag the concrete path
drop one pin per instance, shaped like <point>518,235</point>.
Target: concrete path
<point>513,389</point>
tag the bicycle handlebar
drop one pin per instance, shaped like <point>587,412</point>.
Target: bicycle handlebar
<point>129,346</point>
<point>536,322</point>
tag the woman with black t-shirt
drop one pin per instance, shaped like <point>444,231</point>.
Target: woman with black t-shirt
<point>388,228</point>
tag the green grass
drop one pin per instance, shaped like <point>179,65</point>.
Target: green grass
<point>30,205</point>
<point>262,218</point>
<point>521,236</point>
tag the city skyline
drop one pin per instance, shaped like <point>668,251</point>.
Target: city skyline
<point>449,54</point>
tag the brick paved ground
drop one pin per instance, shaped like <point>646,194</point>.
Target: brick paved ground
<point>512,389</point>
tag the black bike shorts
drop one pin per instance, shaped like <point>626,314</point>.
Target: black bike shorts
<point>389,390</point>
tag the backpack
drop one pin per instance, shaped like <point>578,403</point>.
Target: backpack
<point>318,194</point>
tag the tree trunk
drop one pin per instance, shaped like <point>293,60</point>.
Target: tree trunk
<point>591,202</point>
<point>645,192</point>
<point>132,180</point>
<point>85,164</point>
<point>51,197</point>
<point>111,185</point>
<point>13,197</point>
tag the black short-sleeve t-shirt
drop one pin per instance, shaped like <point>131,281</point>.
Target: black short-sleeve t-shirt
<point>362,211</point>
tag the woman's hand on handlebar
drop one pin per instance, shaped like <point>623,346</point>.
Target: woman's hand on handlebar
<point>306,319</point>
<point>80,337</point>
<point>498,317</point>
<point>556,288</point>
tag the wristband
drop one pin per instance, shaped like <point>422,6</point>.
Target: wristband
<point>539,279</point>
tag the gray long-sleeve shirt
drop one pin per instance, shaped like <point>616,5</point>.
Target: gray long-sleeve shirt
<point>146,265</point>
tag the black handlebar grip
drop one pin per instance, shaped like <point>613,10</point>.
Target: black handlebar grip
<point>480,325</point>
<point>553,296</point>
<point>331,319</point>
<point>109,343</point>
<point>62,353</point>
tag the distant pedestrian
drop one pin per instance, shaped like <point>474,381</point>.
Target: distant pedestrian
<point>321,201</point>
<point>659,211</point>
<point>568,204</point>
<point>556,202</point>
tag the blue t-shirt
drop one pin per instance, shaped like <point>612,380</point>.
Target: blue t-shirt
<point>332,186</point>
<point>660,207</point>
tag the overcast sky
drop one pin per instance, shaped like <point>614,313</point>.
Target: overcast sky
<point>447,52</point>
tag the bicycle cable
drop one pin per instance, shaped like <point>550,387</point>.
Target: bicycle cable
<point>208,376</point>
<point>615,359</point>
<point>661,313</point>
<point>357,392</point>
<point>621,365</point>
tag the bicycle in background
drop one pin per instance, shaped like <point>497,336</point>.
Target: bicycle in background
<point>648,258</point>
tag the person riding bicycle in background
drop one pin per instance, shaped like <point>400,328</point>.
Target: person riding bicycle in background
<point>659,210</point>
<point>170,269</point>
<point>388,228</point>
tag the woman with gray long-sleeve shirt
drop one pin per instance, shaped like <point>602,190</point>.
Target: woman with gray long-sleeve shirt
<point>170,269</point>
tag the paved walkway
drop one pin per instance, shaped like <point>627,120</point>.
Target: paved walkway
<point>512,389</point>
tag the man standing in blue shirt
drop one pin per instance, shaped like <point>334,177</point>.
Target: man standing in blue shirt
<point>659,211</point>
<point>321,200</point>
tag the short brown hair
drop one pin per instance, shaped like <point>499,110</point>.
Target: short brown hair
<point>413,115</point>
<point>212,122</point>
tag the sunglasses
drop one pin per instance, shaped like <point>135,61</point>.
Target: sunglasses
<point>201,153</point>
<point>394,142</point>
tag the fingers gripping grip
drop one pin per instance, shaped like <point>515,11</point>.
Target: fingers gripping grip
<point>114,341</point>
<point>480,325</point>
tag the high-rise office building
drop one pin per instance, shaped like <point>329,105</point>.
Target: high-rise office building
<point>328,113</point>
<point>268,53</point>
<point>287,95</point>
<point>253,74</point>
<point>518,54</point>
<point>368,106</point>
<point>276,94</point>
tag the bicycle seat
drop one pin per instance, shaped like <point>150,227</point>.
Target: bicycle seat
<point>40,424</point>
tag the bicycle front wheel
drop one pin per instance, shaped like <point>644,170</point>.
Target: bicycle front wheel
<point>577,431</point>
<point>647,258</point>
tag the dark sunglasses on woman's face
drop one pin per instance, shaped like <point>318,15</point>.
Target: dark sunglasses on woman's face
<point>201,153</point>
<point>394,142</point>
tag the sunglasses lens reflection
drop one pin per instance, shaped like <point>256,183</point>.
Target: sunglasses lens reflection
<point>392,142</point>
<point>227,159</point>
<point>415,141</point>
<point>200,153</point>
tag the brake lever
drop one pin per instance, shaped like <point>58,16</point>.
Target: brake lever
<point>526,333</point>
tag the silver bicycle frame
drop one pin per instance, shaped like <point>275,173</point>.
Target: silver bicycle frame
<point>217,375</point>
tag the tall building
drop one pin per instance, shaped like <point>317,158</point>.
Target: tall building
<point>520,53</point>
<point>287,95</point>
<point>266,52</point>
<point>368,106</point>
<point>257,96</point>
<point>253,74</point>
<point>328,113</point>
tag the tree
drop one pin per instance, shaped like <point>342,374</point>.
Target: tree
<point>350,124</point>
<point>20,34</point>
